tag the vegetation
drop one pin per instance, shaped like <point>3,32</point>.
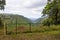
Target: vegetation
<point>52,10</point>
<point>44,32</point>
<point>1,24</point>
<point>2,3</point>
<point>45,28</point>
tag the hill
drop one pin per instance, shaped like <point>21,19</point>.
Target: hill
<point>40,20</point>
<point>11,21</point>
<point>13,18</point>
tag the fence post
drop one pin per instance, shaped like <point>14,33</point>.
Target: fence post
<point>4,29</point>
<point>30,27</point>
<point>16,25</point>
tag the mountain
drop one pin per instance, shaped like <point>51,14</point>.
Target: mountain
<point>11,21</point>
<point>33,20</point>
<point>13,18</point>
<point>39,20</point>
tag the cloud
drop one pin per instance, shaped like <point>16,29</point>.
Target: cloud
<point>27,8</point>
<point>40,3</point>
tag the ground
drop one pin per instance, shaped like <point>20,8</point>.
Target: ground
<point>31,36</point>
<point>38,33</point>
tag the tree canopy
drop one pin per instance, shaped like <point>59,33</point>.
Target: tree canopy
<point>52,9</point>
<point>2,4</point>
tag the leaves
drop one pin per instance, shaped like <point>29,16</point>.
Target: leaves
<point>2,3</point>
<point>53,10</point>
<point>1,24</point>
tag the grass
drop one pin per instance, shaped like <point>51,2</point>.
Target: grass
<point>31,36</point>
<point>38,33</point>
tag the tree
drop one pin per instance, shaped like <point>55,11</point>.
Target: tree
<point>1,22</point>
<point>52,10</point>
<point>2,4</point>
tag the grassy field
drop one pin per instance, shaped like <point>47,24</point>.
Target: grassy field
<point>38,33</point>
<point>32,36</point>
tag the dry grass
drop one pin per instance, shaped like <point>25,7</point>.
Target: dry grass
<point>30,36</point>
<point>45,33</point>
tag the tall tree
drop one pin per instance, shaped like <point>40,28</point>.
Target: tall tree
<point>52,10</point>
<point>0,22</point>
<point>2,4</point>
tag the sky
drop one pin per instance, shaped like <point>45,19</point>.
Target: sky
<point>28,8</point>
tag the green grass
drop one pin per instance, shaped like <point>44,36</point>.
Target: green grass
<point>34,28</point>
<point>38,33</point>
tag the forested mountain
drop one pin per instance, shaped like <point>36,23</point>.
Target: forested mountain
<point>40,20</point>
<point>10,18</point>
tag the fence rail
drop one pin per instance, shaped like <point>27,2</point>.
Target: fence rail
<point>19,28</point>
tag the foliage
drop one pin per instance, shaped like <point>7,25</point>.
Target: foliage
<point>2,3</point>
<point>1,24</point>
<point>52,10</point>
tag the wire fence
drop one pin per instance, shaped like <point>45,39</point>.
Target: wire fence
<point>20,28</point>
<point>16,28</point>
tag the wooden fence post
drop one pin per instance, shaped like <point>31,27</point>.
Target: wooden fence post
<point>16,25</point>
<point>4,29</point>
<point>30,27</point>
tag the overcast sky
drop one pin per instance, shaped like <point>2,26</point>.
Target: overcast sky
<point>27,8</point>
